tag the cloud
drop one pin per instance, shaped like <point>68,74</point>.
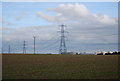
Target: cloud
<point>45,16</point>
<point>1,20</point>
<point>87,31</point>
<point>10,23</point>
<point>64,9</point>
<point>27,33</point>
<point>18,18</point>
<point>6,22</point>
<point>104,19</point>
<point>81,22</point>
<point>45,35</point>
<point>75,12</point>
<point>21,16</point>
<point>64,13</point>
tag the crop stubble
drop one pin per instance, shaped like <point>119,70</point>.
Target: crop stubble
<point>59,67</point>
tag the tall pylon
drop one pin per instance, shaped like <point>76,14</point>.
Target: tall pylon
<point>24,47</point>
<point>63,48</point>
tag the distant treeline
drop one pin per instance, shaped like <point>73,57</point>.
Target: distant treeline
<point>113,53</point>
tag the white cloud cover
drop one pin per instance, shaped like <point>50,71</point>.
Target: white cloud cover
<point>1,20</point>
<point>79,18</point>
<point>21,16</point>
<point>75,12</point>
<point>27,33</point>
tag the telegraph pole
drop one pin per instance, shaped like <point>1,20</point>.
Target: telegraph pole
<point>34,44</point>
<point>24,47</point>
<point>63,48</point>
<point>9,49</point>
<point>2,50</point>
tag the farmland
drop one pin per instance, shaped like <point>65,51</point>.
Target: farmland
<point>59,66</point>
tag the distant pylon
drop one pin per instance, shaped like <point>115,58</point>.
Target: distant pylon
<point>63,48</point>
<point>24,47</point>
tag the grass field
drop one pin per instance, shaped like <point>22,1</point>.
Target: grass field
<point>60,67</point>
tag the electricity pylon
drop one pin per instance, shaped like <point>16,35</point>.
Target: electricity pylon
<point>24,47</point>
<point>63,48</point>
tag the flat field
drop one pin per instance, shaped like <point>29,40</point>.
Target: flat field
<point>59,66</point>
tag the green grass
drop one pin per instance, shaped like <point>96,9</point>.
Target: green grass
<point>60,67</point>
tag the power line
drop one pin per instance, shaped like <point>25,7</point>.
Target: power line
<point>50,45</point>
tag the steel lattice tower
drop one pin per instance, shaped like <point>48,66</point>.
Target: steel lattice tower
<point>63,48</point>
<point>24,47</point>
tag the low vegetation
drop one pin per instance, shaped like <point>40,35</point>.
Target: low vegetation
<point>59,66</point>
